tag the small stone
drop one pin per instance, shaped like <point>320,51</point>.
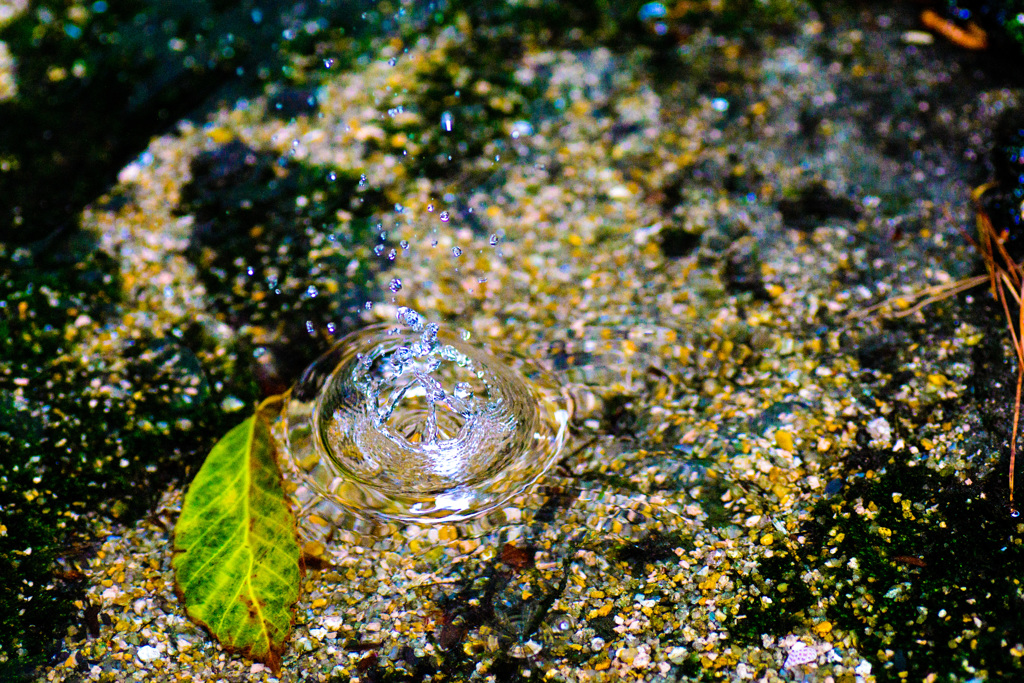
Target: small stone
<point>147,653</point>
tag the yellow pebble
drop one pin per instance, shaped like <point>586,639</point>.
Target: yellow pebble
<point>767,539</point>
<point>784,440</point>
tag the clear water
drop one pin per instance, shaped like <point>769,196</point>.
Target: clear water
<point>410,423</point>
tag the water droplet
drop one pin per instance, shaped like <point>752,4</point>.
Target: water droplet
<point>311,291</point>
<point>328,62</point>
<point>368,305</point>
<point>395,285</point>
<point>447,121</point>
<point>362,179</point>
<point>332,176</point>
<point>493,240</point>
<point>443,216</point>
<point>392,254</point>
<point>404,244</point>
<point>456,252</point>
<point>379,249</point>
<point>410,318</point>
<point>399,208</point>
<point>465,334</point>
<point>430,208</point>
<point>331,328</point>
<point>392,61</point>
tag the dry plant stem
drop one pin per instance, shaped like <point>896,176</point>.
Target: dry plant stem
<point>1005,276</point>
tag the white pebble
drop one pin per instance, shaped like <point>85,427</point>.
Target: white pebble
<point>147,653</point>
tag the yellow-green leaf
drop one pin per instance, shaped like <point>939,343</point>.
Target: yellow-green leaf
<point>236,555</point>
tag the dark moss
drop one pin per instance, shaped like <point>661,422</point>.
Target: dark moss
<point>95,86</point>
<point>653,548</point>
<point>935,572</point>
<point>815,204</point>
<point>676,242</point>
<point>86,436</point>
<point>259,220</point>
<point>787,609</point>
<point>290,102</point>
<point>459,120</point>
<point>1003,204</point>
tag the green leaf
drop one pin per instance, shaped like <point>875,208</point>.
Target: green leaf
<point>236,554</point>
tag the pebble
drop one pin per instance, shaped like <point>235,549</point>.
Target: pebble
<point>148,653</point>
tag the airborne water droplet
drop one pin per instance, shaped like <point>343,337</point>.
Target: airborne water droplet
<point>443,216</point>
<point>456,252</point>
<point>332,176</point>
<point>395,285</point>
<point>447,121</point>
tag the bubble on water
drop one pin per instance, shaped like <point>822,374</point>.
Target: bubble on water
<point>447,121</point>
<point>412,425</point>
<point>395,285</point>
<point>456,252</point>
<point>443,216</point>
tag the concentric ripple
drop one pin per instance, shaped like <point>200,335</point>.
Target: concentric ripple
<point>413,424</point>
